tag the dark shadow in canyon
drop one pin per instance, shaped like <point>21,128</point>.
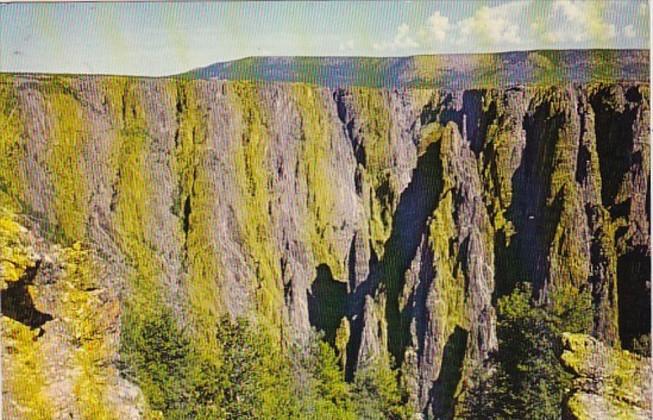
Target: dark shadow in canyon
<point>633,273</point>
<point>476,118</point>
<point>614,142</point>
<point>524,257</point>
<point>327,303</point>
<point>416,204</point>
<point>441,395</point>
<point>356,304</point>
<point>17,303</point>
<point>421,312</point>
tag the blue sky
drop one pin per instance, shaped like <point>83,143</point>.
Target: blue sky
<point>158,39</point>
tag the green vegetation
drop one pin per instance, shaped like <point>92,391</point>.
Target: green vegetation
<point>524,378</point>
<point>314,164</point>
<point>177,381</point>
<point>24,377</point>
<point>374,393</point>
<point>251,165</point>
<point>374,157</point>
<point>195,211</point>
<point>11,147</point>
<point>378,394</point>
<point>65,161</point>
<point>252,377</point>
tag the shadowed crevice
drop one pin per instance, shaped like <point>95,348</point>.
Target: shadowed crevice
<point>416,204</point>
<point>186,216</point>
<point>615,138</point>
<point>633,291</point>
<point>356,305</point>
<point>441,396</point>
<point>17,303</point>
<point>524,258</point>
<point>327,303</point>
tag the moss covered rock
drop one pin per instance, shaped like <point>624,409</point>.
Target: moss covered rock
<point>59,330</point>
<point>609,383</point>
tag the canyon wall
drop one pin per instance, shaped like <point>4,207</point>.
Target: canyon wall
<point>389,219</point>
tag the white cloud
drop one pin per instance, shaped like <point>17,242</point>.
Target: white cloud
<point>347,45</point>
<point>438,26</point>
<point>514,25</point>
<point>401,41</point>
<point>629,31</point>
<point>493,25</point>
<point>583,20</point>
<point>553,37</point>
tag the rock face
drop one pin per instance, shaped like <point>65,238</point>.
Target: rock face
<point>609,383</point>
<point>60,329</point>
<point>405,211</point>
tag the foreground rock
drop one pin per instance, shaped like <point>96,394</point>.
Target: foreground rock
<point>609,383</point>
<point>60,329</point>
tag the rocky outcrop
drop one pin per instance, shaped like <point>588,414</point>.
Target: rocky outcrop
<point>608,384</point>
<point>60,325</point>
<point>406,212</point>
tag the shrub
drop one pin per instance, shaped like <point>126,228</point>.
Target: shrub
<point>250,376</point>
<point>524,378</point>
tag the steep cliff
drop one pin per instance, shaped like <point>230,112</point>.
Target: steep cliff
<point>389,219</point>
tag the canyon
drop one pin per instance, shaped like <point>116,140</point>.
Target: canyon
<point>390,218</point>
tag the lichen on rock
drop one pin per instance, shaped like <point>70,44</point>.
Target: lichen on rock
<point>66,362</point>
<point>608,383</point>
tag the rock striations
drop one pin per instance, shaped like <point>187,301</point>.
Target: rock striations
<point>390,218</point>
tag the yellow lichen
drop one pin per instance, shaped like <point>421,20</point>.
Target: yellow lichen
<point>11,148</point>
<point>316,152</point>
<point>621,379</point>
<point>196,193</point>
<point>65,161</point>
<point>25,376</point>
<point>251,163</point>
<point>88,322</point>
<point>376,127</point>
<point>16,257</point>
<point>131,181</point>
<point>23,360</point>
<point>342,339</point>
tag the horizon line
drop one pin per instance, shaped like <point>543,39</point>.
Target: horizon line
<point>388,57</point>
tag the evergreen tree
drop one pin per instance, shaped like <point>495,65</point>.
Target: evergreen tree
<point>524,378</point>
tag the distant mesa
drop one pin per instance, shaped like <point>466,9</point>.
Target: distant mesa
<point>447,70</point>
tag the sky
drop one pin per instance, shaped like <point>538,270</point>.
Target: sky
<point>155,39</point>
